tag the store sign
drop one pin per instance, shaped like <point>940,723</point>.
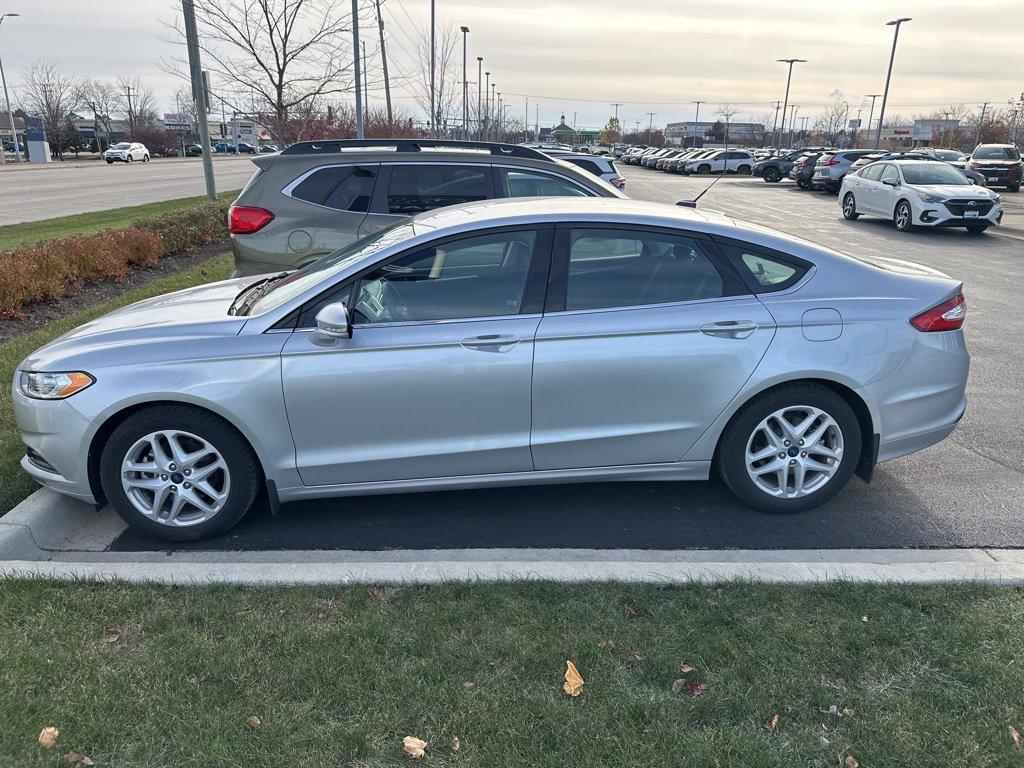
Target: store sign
<point>175,123</point>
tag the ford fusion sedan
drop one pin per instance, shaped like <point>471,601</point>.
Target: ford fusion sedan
<point>919,193</point>
<point>503,343</point>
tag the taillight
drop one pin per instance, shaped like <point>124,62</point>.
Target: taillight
<point>245,219</point>
<point>947,316</point>
<point>833,161</point>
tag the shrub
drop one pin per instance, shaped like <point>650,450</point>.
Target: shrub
<point>53,268</point>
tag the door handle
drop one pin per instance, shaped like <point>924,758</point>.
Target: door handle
<point>491,342</point>
<point>729,329</point>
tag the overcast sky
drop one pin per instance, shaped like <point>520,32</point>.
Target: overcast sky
<point>578,57</point>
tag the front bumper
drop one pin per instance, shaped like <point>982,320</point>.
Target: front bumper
<point>937,215</point>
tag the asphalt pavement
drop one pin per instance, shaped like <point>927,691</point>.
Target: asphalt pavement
<point>965,492</point>
<point>34,192</point>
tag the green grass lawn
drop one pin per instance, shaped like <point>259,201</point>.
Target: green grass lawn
<point>15,485</point>
<point>338,676</point>
<point>13,235</point>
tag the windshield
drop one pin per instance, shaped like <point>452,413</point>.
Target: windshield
<point>122,145</point>
<point>333,263</point>
<point>996,153</point>
<point>948,154</point>
<point>932,173</point>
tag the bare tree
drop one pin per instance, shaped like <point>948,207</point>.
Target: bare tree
<point>448,79</point>
<point>50,94</point>
<point>832,123</point>
<point>727,112</point>
<point>288,52</point>
<point>138,105</point>
<point>101,98</point>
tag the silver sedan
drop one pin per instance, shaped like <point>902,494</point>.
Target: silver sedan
<point>502,343</point>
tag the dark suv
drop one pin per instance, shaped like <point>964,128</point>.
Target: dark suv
<point>773,169</point>
<point>1000,164</point>
<point>317,196</point>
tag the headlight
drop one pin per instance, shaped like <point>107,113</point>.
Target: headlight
<point>996,198</point>
<point>53,386</point>
<point>930,198</point>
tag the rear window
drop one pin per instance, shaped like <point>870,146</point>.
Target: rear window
<point>418,188</point>
<point>344,188</point>
<point>769,272</point>
<point>587,165</point>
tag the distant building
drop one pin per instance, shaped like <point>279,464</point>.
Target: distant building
<point>566,134</point>
<point>920,133</point>
<point>697,134</point>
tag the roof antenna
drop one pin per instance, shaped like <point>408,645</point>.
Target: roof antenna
<point>693,203</point>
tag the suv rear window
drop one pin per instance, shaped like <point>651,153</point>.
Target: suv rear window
<point>418,188</point>
<point>344,188</point>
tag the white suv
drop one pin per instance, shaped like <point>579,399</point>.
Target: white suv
<point>727,160</point>
<point>126,152</point>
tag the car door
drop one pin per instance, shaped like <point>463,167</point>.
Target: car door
<point>435,380</point>
<point>887,191</point>
<point>865,188</point>
<point>646,337</point>
<point>333,202</point>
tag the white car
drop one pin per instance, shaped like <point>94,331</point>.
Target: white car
<point>919,193</point>
<point>727,160</point>
<point>126,152</point>
<point>600,165</point>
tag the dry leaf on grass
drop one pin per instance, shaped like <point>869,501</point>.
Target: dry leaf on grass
<point>772,725</point>
<point>697,689</point>
<point>1015,735</point>
<point>468,684</point>
<point>686,668</point>
<point>573,684</point>
<point>864,618</point>
<point>373,592</point>
<point>414,747</point>
<point>678,685</point>
<point>352,638</point>
<point>78,759</point>
<point>253,720</point>
<point>456,744</point>
<point>609,644</point>
<point>630,611</point>
<point>113,637</point>
<point>847,711</point>
<point>851,762</point>
<point>639,655</point>
<point>48,736</point>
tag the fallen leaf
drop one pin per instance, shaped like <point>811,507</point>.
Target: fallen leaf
<point>639,655</point>
<point>772,725</point>
<point>270,638</point>
<point>574,656</point>
<point>414,747</point>
<point>686,668</point>
<point>864,618</point>
<point>374,594</point>
<point>678,685</point>
<point>352,638</point>
<point>113,637</point>
<point>468,684</point>
<point>609,644</point>
<point>1015,735</point>
<point>697,689</point>
<point>851,762</point>
<point>630,611</point>
<point>573,684</point>
<point>832,710</point>
<point>78,759</point>
<point>253,720</point>
<point>847,712</point>
<point>824,742</point>
<point>456,744</point>
<point>48,736</point>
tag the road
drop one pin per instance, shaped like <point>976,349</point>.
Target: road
<point>965,492</point>
<point>33,192</point>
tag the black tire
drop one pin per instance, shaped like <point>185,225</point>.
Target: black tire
<point>705,168</point>
<point>731,455</point>
<point>772,175</point>
<point>110,162</point>
<point>242,464</point>
<point>743,170</point>
<point>1013,188</point>
<point>850,207</point>
<point>145,158</point>
<point>976,229</point>
<point>904,223</point>
<point>803,184</point>
<point>129,159</point>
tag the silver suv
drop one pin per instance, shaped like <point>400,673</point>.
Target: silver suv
<point>318,196</point>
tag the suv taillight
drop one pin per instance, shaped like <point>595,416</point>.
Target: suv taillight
<point>947,316</point>
<point>833,160</point>
<point>245,219</point>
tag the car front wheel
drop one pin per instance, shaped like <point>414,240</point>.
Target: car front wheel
<point>129,159</point>
<point>850,207</point>
<point>772,175</point>
<point>903,217</point>
<point>704,169</point>
<point>178,472</point>
<point>790,449</point>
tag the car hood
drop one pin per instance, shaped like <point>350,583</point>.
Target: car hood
<point>996,163</point>
<point>967,191</point>
<point>190,314</point>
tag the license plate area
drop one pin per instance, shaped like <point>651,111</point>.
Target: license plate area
<point>970,214</point>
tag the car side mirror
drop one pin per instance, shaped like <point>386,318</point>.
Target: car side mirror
<point>891,182</point>
<point>334,321</point>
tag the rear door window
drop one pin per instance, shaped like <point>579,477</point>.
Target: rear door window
<point>769,272</point>
<point>418,188</point>
<point>523,183</point>
<point>344,188</point>
<point>871,172</point>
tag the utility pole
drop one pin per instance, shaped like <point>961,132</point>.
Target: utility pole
<point>775,123</point>
<point>888,75</point>
<point>696,120</point>
<point>526,120</point>
<point>366,83</point>
<point>536,122</point>
<point>487,105</point>
<point>360,132</point>
<point>650,126</point>
<point>479,101</point>
<point>199,96</point>
<point>10,114</point>
<point>617,105</point>
<point>384,64</point>
<point>981,122</point>
<point>433,67</point>
<point>792,119</point>
<point>785,102</point>
<point>465,88</point>
<point>871,114</point>
<point>131,114</point>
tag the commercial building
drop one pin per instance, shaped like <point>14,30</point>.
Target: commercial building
<point>698,134</point>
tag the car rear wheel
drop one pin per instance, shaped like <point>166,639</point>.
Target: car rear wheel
<point>850,207</point>
<point>903,217</point>
<point>705,168</point>
<point>110,162</point>
<point>772,175</point>
<point>803,184</point>
<point>145,158</point>
<point>129,159</point>
<point>178,472</point>
<point>790,449</point>
<point>743,170</point>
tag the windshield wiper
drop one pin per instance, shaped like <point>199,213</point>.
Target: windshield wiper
<point>252,293</point>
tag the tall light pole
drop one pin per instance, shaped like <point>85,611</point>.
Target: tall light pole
<point>696,119</point>
<point>789,78</point>
<point>871,113</point>
<point>494,101</point>
<point>465,88</point>
<point>479,100</point>
<point>650,126</point>
<point>433,66</point>
<point>487,104</point>
<point>888,75</point>
<point>10,114</point>
<point>360,132</point>
<point>792,119</point>
<point>775,122</point>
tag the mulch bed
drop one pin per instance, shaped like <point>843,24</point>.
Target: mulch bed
<point>44,312</point>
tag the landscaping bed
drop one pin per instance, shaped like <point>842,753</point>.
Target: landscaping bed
<point>738,676</point>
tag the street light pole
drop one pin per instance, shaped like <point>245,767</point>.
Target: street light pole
<point>479,101</point>
<point>888,75</point>
<point>785,102</point>
<point>360,132</point>
<point>792,119</point>
<point>775,122</point>
<point>696,119</point>
<point>10,114</point>
<point>871,114</point>
<point>433,60</point>
<point>650,126</point>
<point>487,104</point>
<point>465,88</point>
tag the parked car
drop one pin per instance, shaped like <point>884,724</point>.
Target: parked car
<point>1000,164</point>
<point>831,167</point>
<point>722,161</point>
<point>223,148</point>
<point>635,159</point>
<point>677,164</point>
<point>268,148</point>
<point>439,354</point>
<point>601,166</point>
<point>126,152</point>
<point>920,193</point>
<point>315,197</point>
<point>9,146</point>
<point>803,169</point>
<point>774,169</point>
<point>194,150</point>
<point>647,159</point>
<point>246,149</point>
<point>661,162</point>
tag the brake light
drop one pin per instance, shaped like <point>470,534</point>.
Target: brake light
<point>947,316</point>
<point>245,219</point>
<point>833,161</point>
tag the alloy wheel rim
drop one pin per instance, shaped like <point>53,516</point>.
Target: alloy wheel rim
<point>794,452</point>
<point>848,205</point>
<point>902,215</point>
<point>175,478</point>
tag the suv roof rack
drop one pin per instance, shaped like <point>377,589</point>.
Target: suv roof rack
<point>413,145</point>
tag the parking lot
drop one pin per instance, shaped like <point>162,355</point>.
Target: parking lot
<point>965,492</point>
